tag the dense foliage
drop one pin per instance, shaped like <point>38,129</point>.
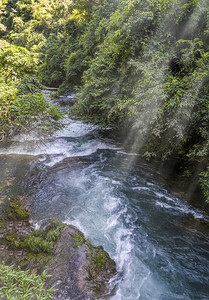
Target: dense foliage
<point>139,65</point>
<point>22,104</point>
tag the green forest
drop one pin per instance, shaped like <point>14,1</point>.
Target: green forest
<point>140,67</point>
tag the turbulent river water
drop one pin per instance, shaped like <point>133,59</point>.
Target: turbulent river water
<point>118,202</point>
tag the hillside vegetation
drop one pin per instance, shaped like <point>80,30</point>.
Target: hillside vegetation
<point>140,66</point>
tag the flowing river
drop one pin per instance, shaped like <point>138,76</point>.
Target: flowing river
<point>116,199</point>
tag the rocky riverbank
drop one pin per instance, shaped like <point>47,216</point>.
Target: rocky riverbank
<point>78,269</point>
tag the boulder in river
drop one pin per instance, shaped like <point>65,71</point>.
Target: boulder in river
<point>77,269</point>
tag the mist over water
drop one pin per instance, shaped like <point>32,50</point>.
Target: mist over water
<point>118,202</point>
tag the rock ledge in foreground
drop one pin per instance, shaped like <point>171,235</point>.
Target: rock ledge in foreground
<point>78,270</point>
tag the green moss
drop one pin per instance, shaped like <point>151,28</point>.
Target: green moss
<point>36,260</point>
<point>14,211</point>
<point>14,204</point>
<point>14,241</point>
<point>9,215</point>
<point>79,240</point>
<point>2,225</point>
<point>99,260</point>
<point>21,214</point>
<point>10,238</point>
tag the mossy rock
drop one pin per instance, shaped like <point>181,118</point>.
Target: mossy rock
<point>99,260</point>
<point>14,241</point>
<point>79,240</point>
<point>14,205</point>
<point>14,211</point>
<point>16,214</point>
<point>34,262</point>
<point>2,225</point>
<point>21,214</point>
<point>79,270</point>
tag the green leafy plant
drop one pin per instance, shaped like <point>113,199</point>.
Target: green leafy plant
<point>18,284</point>
<point>53,235</point>
<point>40,241</point>
<point>38,244</point>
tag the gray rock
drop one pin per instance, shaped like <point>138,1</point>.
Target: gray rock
<point>79,270</point>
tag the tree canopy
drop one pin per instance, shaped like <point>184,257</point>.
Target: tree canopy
<point>15,62</point>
